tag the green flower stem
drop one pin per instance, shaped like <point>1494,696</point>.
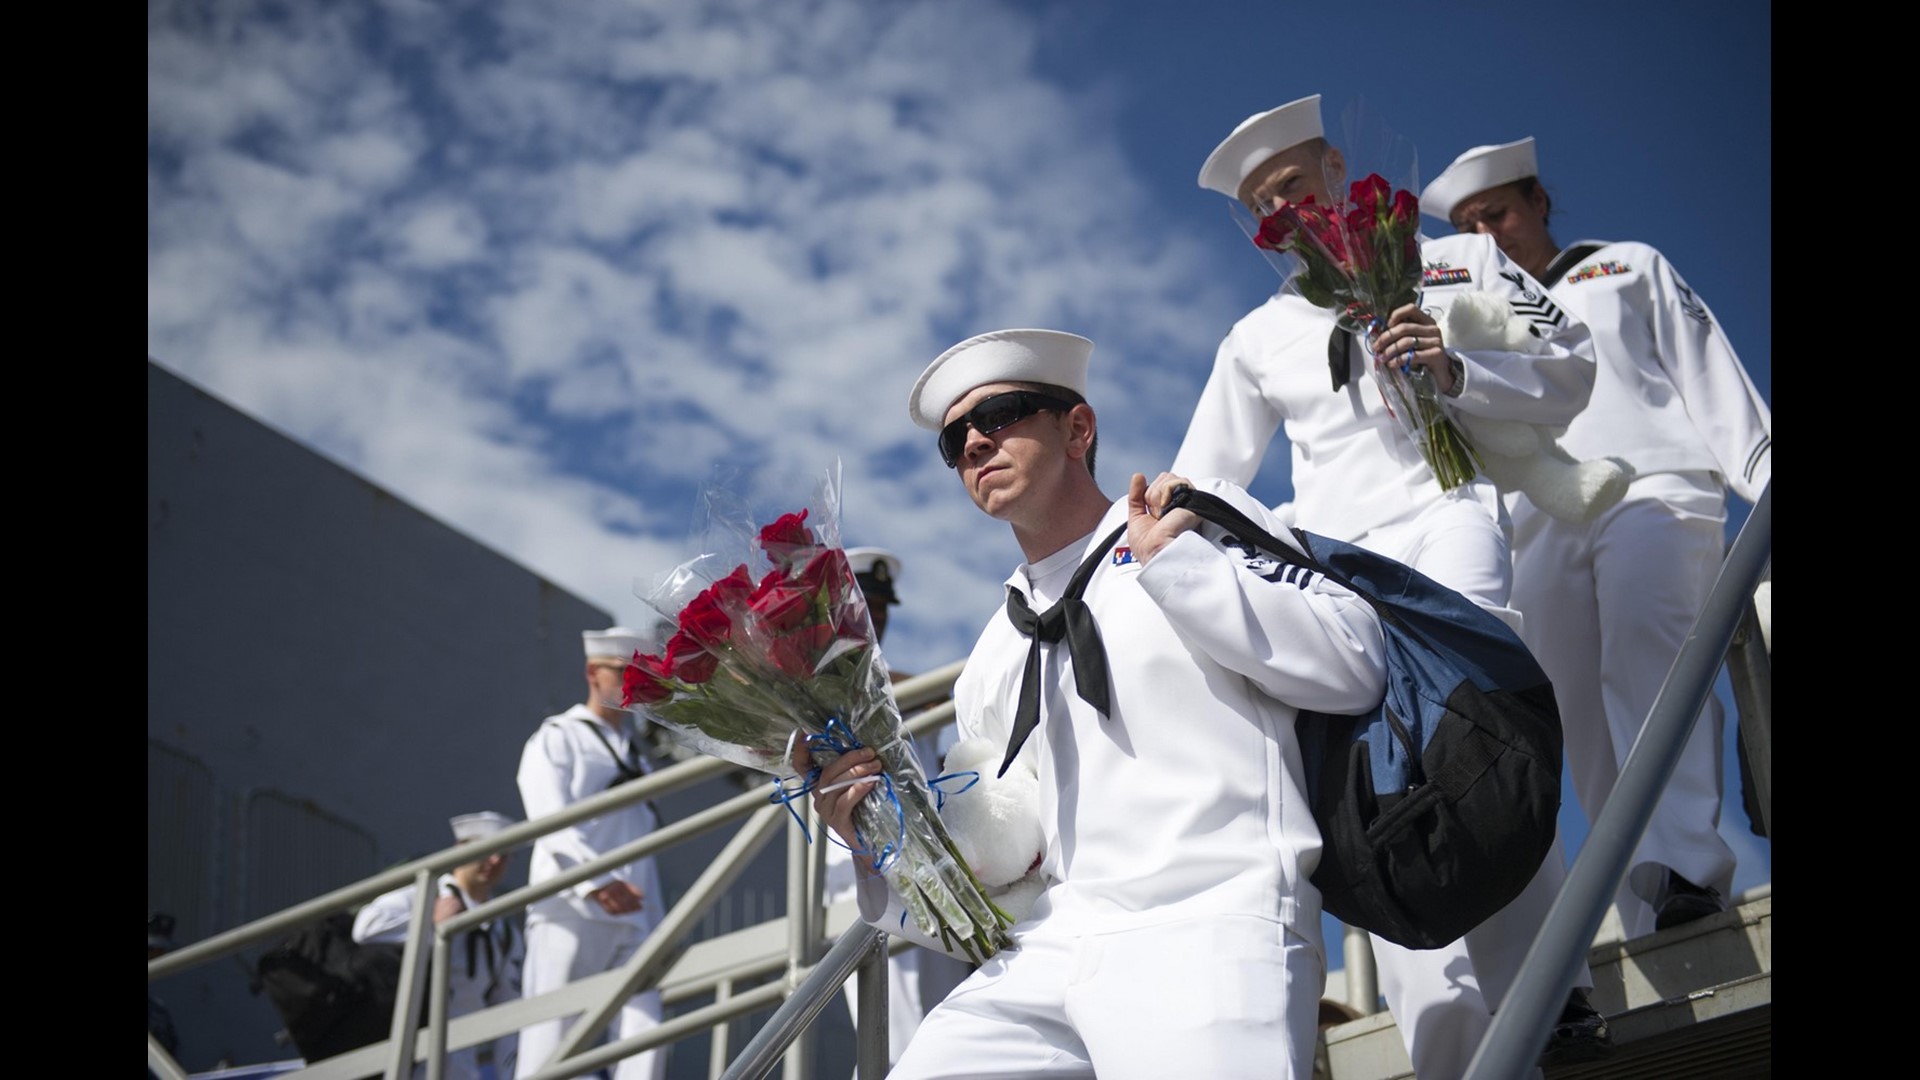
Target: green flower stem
<point>1415,403</point>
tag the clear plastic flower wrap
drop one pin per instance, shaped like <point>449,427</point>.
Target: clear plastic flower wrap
<point>772,643</point>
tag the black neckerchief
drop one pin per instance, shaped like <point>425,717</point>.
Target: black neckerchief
<point>1568,259</point>
<point>1070,619</point>
<point>1339,363</point>
<point>482,936</point>
<point>632,766</point>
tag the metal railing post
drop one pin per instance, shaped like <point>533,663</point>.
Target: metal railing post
<point>438,1007</point>
<point>645,967</point>
<point>1750,672</point>
<point>719,1043</point>
<point>1519,1031</point>
<point>871,1032</point>
<point>803,1006</point>
<point>413,980</point>
<point>800,934</point>
<point>1363,975</point>
<point>161,1062</point>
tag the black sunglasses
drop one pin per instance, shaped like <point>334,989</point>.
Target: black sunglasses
<point>996,412</point>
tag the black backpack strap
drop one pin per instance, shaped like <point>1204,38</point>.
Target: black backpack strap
<point>629,766</point>
<point>629,769</point>
<point>1213,508</point>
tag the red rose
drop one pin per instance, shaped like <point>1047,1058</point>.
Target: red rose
<point>708,617</point>
<point>1369,194</point>
<point>641,683</point>
<point>1360,242</point>
<point>1360,223</point>
<point>1406,208</point>
<point>703,621</point>
<point>731,592</point>
<point>786,538</point>
<point>829,572</point>
<point>1276,231</point>
<point>780,606</point>
<point>1325,229</point>
<point>688,662</point>
<point>797,653</point>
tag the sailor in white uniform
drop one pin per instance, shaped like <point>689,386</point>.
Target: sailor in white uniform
<point>486,959</point>
<point>598,924</point>
<point>1180,933</point>
<point>1358,477</point>
<point>1608,603</point>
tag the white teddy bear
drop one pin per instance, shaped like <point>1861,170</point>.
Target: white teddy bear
<point>996,824</point>
<point>1518,456</point>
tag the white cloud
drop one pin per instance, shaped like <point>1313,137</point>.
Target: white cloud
<point>450,243</point>
<point>442,233</point>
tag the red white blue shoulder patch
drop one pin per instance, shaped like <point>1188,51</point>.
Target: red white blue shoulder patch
<point>1603,268</point>
<point>1122,555</point>
<point>1442,274</point>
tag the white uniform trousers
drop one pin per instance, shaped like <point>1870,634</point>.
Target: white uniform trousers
<point>1443,999</point>
<point>1219,997</point>
<point>561,951</point>
<point>1607,607</point>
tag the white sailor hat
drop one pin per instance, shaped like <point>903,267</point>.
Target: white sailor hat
<point>1053,357</point>
<point>876,569</point>
<point>618,642</point>
<point>1475,171</point>
<point>478,826</point>
<point>1258,138</point>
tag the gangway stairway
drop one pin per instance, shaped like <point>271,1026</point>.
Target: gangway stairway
<point>1693,1002</point>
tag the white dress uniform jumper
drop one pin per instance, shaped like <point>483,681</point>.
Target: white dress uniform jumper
<point>1180,935</point>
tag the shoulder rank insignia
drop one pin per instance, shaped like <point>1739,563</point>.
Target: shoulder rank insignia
<point>1122,555</point>
<point>1543,313</point>
<point>1603,268</point>
<point>1442,274</point>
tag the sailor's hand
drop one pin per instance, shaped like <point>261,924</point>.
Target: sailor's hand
<point>1412,337</point>
<point>446,907</point>
<point>1150,526</point>
<point>618,898</point>
<point>838,790</point>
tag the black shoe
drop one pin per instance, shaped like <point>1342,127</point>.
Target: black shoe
<point>1684,902</point>
<point>1580,1035</point>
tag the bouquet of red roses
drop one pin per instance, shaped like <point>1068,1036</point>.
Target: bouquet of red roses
<point>759,661</point>
<point>1362,261</point>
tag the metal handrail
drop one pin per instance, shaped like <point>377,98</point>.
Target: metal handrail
<point>1519,1031</point>
<point>1553,960</point>
<point>601,993</point>
<point>791,1020</point>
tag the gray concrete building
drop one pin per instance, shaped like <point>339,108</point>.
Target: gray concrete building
<point>331,674</point>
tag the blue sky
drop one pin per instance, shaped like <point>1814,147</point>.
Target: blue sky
<point>540,268</point>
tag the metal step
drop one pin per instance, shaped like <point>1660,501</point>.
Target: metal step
<point>1695,1001</point>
